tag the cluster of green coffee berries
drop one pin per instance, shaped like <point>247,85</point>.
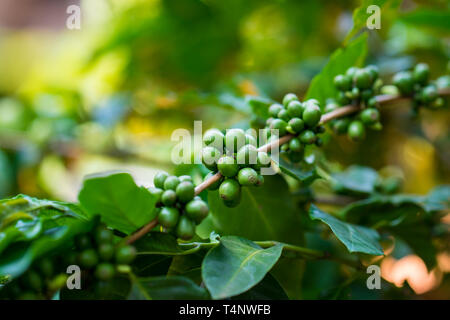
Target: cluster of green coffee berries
<point>235,155</point>
<point>179,210</point>
<point>39,282</point>
<point>298,118</point>
<point>358,86</point>
<point>416,84</point>
<point>98,257</point>
<point>97,254</point>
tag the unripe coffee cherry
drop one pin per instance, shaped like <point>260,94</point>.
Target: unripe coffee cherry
<point>171,183</point>
<point>351,72</point>
<point>370,116</point>
<point>234,139</point>
<point>168,198</point>
<point>373,70</point>
<point>210,156</point>
<point>340,125</point>
<point>295,109</point>
<point>274,109</point>
<point>342,82</point>
<point>280,125</point>
<point>247,177</point>
<point>288,98</point>
<point>356,130</point>
<point>185,178</point>
<point>295,145</point>
<point>105,271</point>
<point>227,166</point>
<point>429,94</point>
<point>421,73</point>
<point>185,228</point>
<point>307,137</point>
<point>404,82</point>
<point>197,210</point>
<point>213,137</point>
<point>125,254</point>
<point>251,140</point>
<point>157,192</point>
<point>284,115</point>
<point>296,124</point>
<point>233,203</point>
<point>159,179</point>
<point>83,241</point>
<point>229,190</point>
<point>263,160</point>
<point>311,115</point>
<point>247,155</point>
<point>88,258</point>
<point>185,191</point>
<point>363,79</point>
<point>168,217</point>
<point>106,251</point>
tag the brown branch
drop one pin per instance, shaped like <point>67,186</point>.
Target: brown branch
<point>340,112</point>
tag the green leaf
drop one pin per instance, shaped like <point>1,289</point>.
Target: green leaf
<point>166,288</point>
<point>18,257</point>
<point>237,265</point>
<point>121,204</point>
<point>265,212</point>
<point>306,177</point>
<point>360,14</point>
<point>356,179</point>
<point>354,54</point>
<point>355,238</point>
<point>259,105</point>
<point>267,289</point>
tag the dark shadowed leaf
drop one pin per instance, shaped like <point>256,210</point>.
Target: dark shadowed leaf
<point>355,238</point>
<point>236,265</point>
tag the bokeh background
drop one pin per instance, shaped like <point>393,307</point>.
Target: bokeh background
<point>109,95</point>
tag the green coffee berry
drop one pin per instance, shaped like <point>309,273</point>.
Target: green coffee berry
<point>356,130</point>
<point>373,70</point>
<point>274,109</point>
<point>213,137</point>
<point>429,94</point>
<point>247,177</point>
<point>103,235</point>
<point>288,98</point>
<point>88,258</point>
<point>280,125</point>
<point>251,140</point>
<point>171,183</point>
<point>295,156</point>
<point>296,124</point>
<point>331,107</point>
<point>197,210</point>
<point>185,228</point>
<point>233,203</point>
<point>185,178</point>
<point>125,254</point>
<point>106,251</point>
<point>229,190</point>
<point>404,82</point>
<point>362,78</point>
<point>105,271</point>
<point>307,137</point>
<point>234,139</point>
<point>168,217</point>
<point>210,156</point>
<point>227,166</point>
<point>311,115</point>
<point>156,192</point>
<point>247,155</point>
<point>366,94</point>
<point>340,125</point>
<point>159,179</point>
<point>216,184</point>
<point>342,82</point>
<point>260,181</point>
<point>83,241</point>
<point>185,191</point>
<point>370,116</point>
<point>421,73</point>
<point>351,72</point>
<point>262,160</point>
<point>169,197</point>
<point>295,145</point>
<point>342,98</point>
<point>283,115</point>
<point>295,109</point>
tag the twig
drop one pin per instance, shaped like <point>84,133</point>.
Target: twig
<point>340,112</point>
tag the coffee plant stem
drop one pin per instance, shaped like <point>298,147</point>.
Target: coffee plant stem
<point>340,112</point>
